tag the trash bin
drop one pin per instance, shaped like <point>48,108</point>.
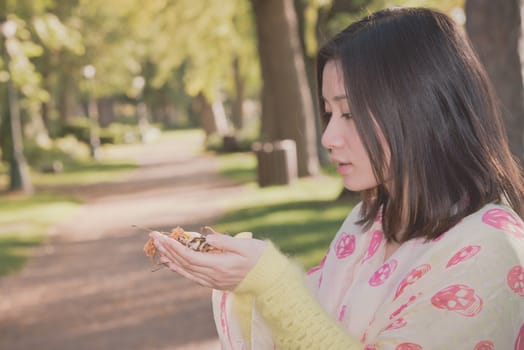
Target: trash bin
<point>276,162</point>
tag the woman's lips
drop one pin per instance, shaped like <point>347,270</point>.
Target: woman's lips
<point>343,167</point>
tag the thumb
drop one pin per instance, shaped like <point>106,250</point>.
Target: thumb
<point>241,243</point>
<point>244,235</point>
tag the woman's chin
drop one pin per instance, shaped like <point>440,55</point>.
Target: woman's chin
<point>358,187</point>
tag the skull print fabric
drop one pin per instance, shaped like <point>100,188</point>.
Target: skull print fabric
<point>463,290</point>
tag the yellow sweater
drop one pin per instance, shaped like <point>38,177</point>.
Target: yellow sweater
<point>296,319</point>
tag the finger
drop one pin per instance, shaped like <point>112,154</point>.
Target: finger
<point>244,235</point>
<point>239,244</point>
<point>178,264</point>
<point>182,256</point>
<point>170,247</point>
<point>219,271</point>
<point>212,270</point>
<point>164,260</point>
<point>155,234</point>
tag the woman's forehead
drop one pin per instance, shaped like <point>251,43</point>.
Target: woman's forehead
<point>333,81</point>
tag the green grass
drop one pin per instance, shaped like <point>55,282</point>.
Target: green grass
<point>115,163</point>
<point>24,224</point>
<point>86,172</point>
<point>301,219</point>
<point>78,172</point>
<point>25,220</point>
<point>240,167</point>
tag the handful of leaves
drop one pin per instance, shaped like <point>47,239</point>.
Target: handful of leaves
<point>193,240</point>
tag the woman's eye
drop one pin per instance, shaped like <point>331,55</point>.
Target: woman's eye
<point>326,117</point>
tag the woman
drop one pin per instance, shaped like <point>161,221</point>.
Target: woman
<point>432,258</point>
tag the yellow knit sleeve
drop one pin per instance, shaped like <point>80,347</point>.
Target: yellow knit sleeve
<point>296,319</point>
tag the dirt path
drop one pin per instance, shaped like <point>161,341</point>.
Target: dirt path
<point>90,286</point>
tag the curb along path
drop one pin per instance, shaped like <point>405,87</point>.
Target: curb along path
<point>90,286</point>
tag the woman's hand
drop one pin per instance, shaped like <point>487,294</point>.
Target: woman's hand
<point>223,271</point>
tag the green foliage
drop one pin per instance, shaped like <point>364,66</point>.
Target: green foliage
<point>79,127</point>
<point>67,161</point>
<point>27,8</point>
<point>31,30</point>
<point>16,64</point>
<point>443,5</point>
<point>208,36</point>
<point>117,133</point>
<point>341,20</point>
<point>39,158</point>
<point>55,35</point>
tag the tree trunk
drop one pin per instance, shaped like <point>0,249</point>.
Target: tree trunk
<point>94,137</point>
<point>46,106</point>
<point>19,179</point>
<point>237,114</point>
<point>287,107</point>
<point>494,27</point>
<point>106,111</point>
<point>18,168</point>
<point>310,65</point>
<point>66,104</point>
<point>212,116</point>
<point>165,111</point>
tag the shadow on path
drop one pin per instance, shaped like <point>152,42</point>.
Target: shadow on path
<point>90,286</point>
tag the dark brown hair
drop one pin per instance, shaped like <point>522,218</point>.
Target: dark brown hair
<point>412,73</point>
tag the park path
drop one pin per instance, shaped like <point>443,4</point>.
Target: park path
<point>90,285</point>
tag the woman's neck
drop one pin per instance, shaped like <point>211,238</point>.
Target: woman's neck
<point>391,248</point>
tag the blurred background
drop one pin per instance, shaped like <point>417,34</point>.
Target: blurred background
<point>173,112</point>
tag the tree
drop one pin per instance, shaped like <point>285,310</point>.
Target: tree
<point>19,74</point>
<point>27,27</point>
<point>18,168</point>
<point>494,27</point>
<point>287,107</point>
<point>215,49</point>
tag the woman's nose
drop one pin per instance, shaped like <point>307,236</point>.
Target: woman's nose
<point>331,137</point>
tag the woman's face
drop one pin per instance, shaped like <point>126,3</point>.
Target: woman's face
<point>340,136</point>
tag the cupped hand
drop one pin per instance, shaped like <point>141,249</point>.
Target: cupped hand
<point>222,271</point>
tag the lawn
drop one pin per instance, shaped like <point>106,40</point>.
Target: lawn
<point>25,221</point>
<point>301,219</point>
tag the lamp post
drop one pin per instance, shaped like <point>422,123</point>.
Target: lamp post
<point>89,72</point>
